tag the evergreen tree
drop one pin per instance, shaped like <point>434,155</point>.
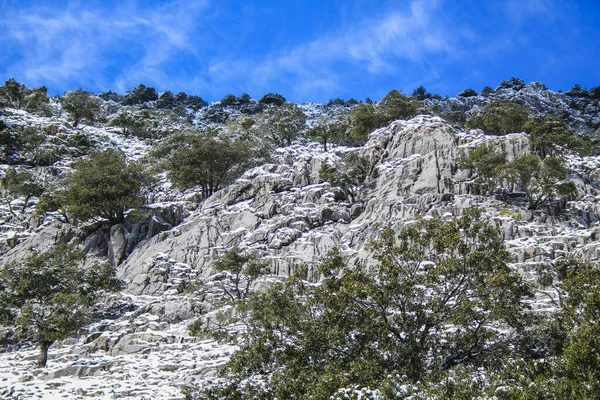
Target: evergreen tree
<point>50,295</point>
<point>81,105</point>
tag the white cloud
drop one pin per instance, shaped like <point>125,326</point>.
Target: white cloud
<point>75,47</point>
<point>377,45</point>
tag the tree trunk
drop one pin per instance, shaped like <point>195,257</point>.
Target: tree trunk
<point>43,357</point>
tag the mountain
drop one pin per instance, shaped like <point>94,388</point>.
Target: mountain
<point>281,209</point>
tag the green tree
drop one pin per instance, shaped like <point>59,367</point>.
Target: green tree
<point>103,185</point>
<point>38,100</point>
<point>488,163</point>
<point>361,325</point>
<point>395,106</point>
<point>81,105</point>
<point>365,120</point>
<point>328,129</point>
<point>20,182</point>
<point>548,134</point>
<point>203,159</point>
<point>242,269</point>
<point>50,295</point>
<point>139,95</point>
<point>285,124</point>
<point>13,94</point>
<point>543,181</point>
<point>350,174</point>
<point>499,118</point>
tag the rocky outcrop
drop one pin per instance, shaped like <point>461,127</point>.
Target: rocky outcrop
<point>282,212</point>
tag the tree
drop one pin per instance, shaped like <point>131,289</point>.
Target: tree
<point>433,301</point>
<point>272,99</point>
<point>488,163</point>
<point>38,100</point>
<point>548,133</point>
<point>50,295</point>
<point>543,181</point>
<point>499,118</point>
<point>103,185</point>
<point>193,159</point>
<point>328,129</point>
<point>365,120</point>
<point>395,106</point>
<point>81,105</point>
<point>13,94</point>
<point>286,123</point>
<point>350,174</point>
<point>241,269</point>
<point>20,182</point>
<point>139,95</point>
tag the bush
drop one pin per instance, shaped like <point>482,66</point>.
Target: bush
<point>548,133</point>
<point>499,118</point>
<point>12,94</point>
<point>486,91</point>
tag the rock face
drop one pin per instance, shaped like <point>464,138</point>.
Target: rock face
<point>285,214</point>
<point>282,212</point>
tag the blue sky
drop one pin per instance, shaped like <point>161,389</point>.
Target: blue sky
<point>307,50</point>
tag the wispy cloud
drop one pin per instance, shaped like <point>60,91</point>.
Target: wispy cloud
<point>377,45</point>
<point>77,45</point>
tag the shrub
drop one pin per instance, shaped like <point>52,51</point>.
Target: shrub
<point>194,159</point>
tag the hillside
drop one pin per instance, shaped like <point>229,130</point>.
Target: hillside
<point>306,181</point>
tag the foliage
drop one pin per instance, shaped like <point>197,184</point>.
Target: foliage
<point>81,105</point>
<point>547,134</point>
<point>421,94</point>
<point>134,125</point>
<point>20,182</point>
<point>329,129</point>
<point>499,118</point>
<point>350,174</point>
<point>365,120</point>
<point>358,327</point>
<point>203,159</point>
<point>274,99</point>
<point>37,101</point>
<point>367,117</point>
<point>285,124</point>
<point>243,270</point>
<point>139,95</point>
<point>467,93</point>
<point>488,163</point>
<point>512,83</point>
<point>395,106</point>
<point>51,294</point>
<point>103,185</point>
<point>12,94</point>
<point>543,181</point>
<point>111,96</point>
